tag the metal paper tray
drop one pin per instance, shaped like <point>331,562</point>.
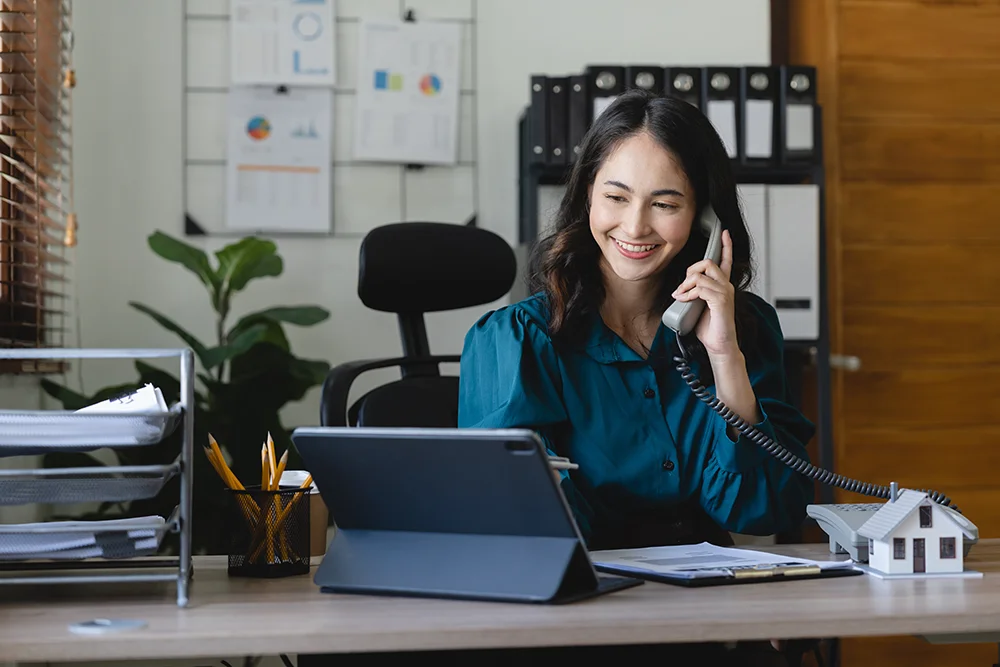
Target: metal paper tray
<point>81,485</point>
<point>81,540</point>
<point>39,431</point>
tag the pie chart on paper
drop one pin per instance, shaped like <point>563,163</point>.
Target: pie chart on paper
<point>430,84</point>
<point>258,128</point>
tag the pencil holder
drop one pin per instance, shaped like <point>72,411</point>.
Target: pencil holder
<point>269,532</point>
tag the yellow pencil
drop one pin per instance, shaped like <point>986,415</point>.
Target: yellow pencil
<point>281,469</point>
<point>271,461</point>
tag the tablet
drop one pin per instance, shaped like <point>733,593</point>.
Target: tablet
<point>457,513</point>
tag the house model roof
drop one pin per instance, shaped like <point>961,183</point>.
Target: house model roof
<point>884,521</point>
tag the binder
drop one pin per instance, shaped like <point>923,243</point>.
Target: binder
<point>753,197</point>
<point>797,102</point>
<point>558,92</point>
<point>685,83</point>
<point>793,258</point>
<point>722,105</point>
<point>645,77</point>
<point>578,113</point>
<point>605,83</point>
<point>759,94</point>
<point>411,522</point>
<point>538,119</point>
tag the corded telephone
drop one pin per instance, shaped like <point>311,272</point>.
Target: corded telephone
<point>840,521</point>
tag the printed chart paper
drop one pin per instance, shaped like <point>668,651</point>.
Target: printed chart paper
<point>408,92</point>
<point>282,42</point>
<point>279,160</point>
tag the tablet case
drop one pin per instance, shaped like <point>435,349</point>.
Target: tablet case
<point>454,513</point>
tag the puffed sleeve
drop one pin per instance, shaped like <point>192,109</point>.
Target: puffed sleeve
<point>745,489</point>
<point>509,378</point>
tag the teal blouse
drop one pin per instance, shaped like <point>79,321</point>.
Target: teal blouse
<point>642,439</point>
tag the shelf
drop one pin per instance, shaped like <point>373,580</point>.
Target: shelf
<point>38,431</point>
<point>545,174</point>
<point>82,540</point>
<point>115,551</point>
<point>81,485</point>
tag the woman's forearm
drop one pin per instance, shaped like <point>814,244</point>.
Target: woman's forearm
<point>732,386</point>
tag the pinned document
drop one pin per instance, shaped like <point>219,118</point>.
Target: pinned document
<point>409,81</point>
<point>279,160</point>
<point>282,42</point>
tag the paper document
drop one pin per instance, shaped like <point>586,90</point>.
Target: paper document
<point>144,399</point>
<point>408,92</point>
<point>278,167</point>
<point>81,539</point>
<point>282,42</point>
<point>693,561</point>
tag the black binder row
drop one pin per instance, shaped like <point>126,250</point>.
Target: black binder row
<point>766,116</point>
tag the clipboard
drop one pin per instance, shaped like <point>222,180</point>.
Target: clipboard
<point>757,574</point>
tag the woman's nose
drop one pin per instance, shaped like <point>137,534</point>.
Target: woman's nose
<point>635,223</point>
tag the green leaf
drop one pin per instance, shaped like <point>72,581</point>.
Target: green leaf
<point>303,316</point>
<point>241,262</point>
<point>194,259</point>
<point>170,325</point>
<point>70,399</point>
<point>313,372</point>
<point>240,344</point>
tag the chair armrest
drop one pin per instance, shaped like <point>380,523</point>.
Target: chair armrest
<point>337,386</point>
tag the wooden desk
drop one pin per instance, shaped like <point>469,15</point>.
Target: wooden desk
<point>241,616</point>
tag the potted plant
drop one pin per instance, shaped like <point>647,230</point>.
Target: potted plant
<point>245,377</point>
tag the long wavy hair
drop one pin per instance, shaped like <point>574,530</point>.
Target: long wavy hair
<point>565,264</point>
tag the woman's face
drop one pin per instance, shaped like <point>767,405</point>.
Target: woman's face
<point>641,209</point>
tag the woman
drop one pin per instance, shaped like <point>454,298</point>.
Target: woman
<point>587,363</point>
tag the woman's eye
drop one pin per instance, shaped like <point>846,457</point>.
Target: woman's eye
<point>664,205</point>
<point>616,198</point>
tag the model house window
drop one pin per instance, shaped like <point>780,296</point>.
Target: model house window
<point>925,516</point>
<point>899,548</point>
<point>871,547</point>
<point>947,547</point>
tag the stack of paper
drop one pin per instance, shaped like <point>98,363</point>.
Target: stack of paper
<point>147,398</point>
<point>696,561</point>
<point>119,538</point>
<point>139,417</point>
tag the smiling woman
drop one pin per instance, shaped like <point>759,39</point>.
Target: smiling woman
<point>586,361</point>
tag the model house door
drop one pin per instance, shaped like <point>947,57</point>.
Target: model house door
<point>918,554</point>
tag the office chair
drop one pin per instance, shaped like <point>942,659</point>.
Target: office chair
<point>409,269</point>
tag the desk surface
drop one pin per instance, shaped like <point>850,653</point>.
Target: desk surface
<point>243,616</point>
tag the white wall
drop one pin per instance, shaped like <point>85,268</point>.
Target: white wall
<point>128,155</point>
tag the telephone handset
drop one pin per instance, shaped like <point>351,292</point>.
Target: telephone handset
<point>840,521</point>
<point>681,316</point>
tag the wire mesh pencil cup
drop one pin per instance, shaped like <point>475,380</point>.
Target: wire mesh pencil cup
<point>269,532</point>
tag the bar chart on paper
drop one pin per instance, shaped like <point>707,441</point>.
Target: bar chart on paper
<point>279,163</point>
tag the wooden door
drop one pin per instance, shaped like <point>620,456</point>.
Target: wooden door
<point>910,91</point>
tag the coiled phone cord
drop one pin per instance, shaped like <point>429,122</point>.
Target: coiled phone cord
<point>791,460</point>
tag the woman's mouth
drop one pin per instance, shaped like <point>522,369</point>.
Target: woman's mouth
<point>635,250</point>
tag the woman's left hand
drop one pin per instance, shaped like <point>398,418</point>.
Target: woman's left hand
<point>706,280</point>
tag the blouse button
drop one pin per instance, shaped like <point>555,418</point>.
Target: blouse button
<point>648,392</point>
<point>668,465</point>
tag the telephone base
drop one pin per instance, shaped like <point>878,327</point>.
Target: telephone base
<point>841,522</point>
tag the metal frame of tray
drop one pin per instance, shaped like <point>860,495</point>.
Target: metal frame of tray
<point>48,423</point>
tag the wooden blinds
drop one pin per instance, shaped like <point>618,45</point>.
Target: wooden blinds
<point>35,157</point>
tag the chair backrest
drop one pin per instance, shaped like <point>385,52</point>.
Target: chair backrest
<point>409,269</point>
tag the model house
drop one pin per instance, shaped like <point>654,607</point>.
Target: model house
<point>911,534</point>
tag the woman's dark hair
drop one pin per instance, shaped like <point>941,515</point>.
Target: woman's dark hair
<point>565,265</point>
